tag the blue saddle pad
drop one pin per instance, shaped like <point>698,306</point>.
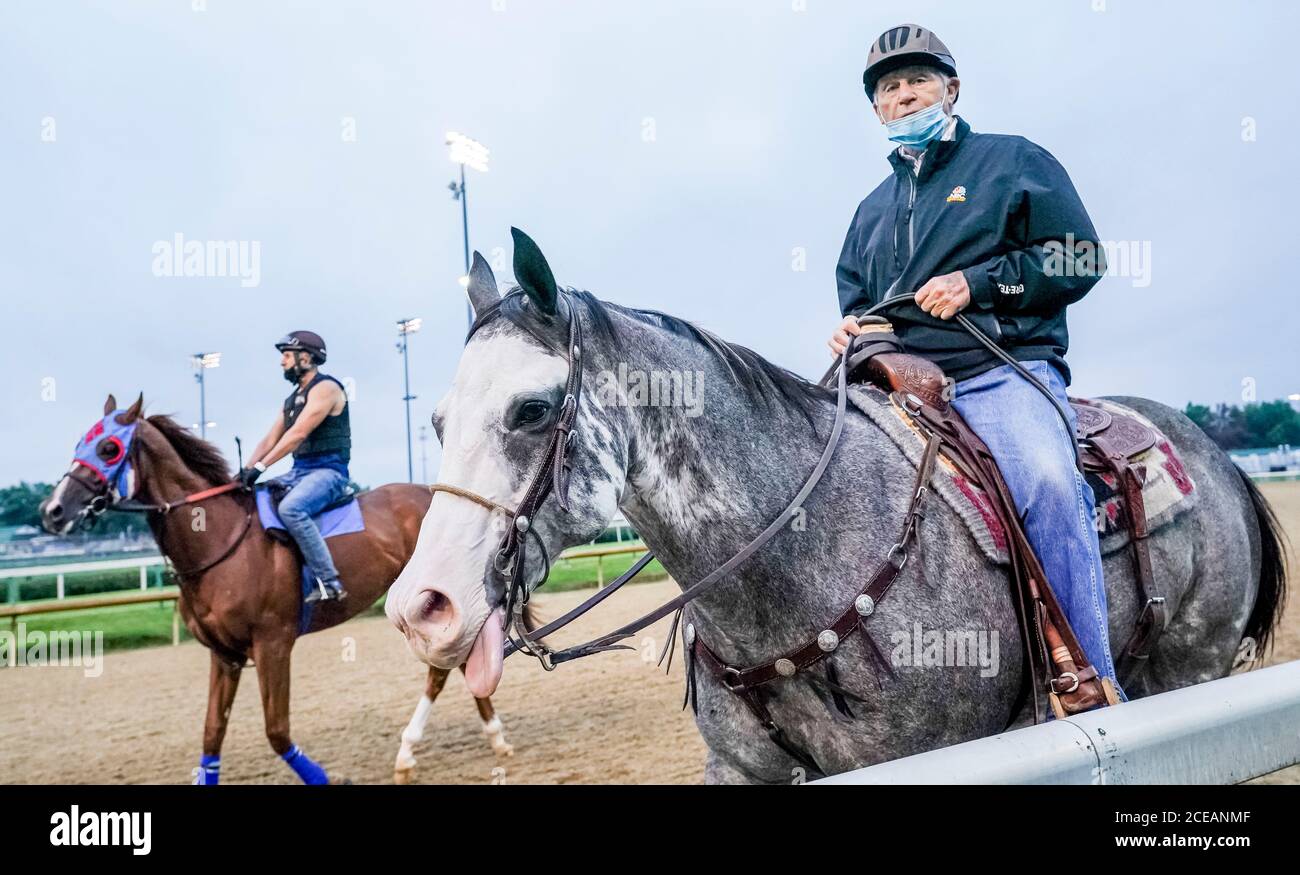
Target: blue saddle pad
<point>342,520</point>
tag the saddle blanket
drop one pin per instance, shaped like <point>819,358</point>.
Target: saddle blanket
<point>342,520</point>
<point>1167,490</point>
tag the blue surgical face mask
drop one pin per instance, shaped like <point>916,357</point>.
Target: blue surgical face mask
<point>919,128</point>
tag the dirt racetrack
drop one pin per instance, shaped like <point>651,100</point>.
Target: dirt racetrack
<point>613,718</point>
<point>608,719</point>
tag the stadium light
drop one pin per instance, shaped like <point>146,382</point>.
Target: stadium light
<point>202,363</point>
<point>466,153</point>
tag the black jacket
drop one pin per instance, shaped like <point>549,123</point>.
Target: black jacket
<point>999,209</point>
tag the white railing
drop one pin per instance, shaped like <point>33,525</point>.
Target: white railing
<point>144,563</point>
<point>1221,732</point>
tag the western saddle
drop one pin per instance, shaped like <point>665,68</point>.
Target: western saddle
<point>1108,443</point>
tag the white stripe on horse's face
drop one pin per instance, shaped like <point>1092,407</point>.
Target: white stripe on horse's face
<point>58,496</point>
<point>62,487</point>
<point>457,536</point>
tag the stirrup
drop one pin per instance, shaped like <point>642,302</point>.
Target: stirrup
<point>324,592</point>
<point>1107,688</point>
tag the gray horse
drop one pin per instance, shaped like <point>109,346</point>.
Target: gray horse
<point>708,460</point>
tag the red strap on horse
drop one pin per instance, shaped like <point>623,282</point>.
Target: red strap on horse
<point>133,506</point>
<point>209,493</point>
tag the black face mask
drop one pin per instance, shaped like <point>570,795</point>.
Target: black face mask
<point>294,374</point>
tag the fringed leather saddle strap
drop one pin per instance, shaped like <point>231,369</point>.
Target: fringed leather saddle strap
<point>1054,645</point>
<point>854,616</point>
<point>753,699</point>
<point>1151,617</point>
<point>746,683</point>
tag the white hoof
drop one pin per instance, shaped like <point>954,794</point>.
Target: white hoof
<point>497,737</point>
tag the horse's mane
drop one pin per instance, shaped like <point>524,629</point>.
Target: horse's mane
<point>762,381</point>
<point>198,455</point>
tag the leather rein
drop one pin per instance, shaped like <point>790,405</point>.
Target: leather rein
<point>552,474</point>
<point>194,498</point>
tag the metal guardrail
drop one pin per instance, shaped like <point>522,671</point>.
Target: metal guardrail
<point>1220,732</point>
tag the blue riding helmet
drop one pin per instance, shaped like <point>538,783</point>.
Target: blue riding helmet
<point>105,451</point>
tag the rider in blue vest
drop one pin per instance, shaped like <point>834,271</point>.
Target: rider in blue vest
<point>314,427</point>
<point>991,226</point>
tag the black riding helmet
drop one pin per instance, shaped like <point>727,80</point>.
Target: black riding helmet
<point>304,341</point>
<point>904,46</point>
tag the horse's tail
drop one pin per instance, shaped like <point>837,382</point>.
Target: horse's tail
<point>1271,597</point>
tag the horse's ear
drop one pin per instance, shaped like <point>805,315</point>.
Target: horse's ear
<point>533,273</point>
<point>482,289</point>
<point>133,412</point>
<point>110,405</point>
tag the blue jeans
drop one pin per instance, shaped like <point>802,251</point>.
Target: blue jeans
<point>311,490</point>
<point>1033,451</point>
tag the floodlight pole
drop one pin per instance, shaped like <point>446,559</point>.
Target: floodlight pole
<point>464,226</point>
<point>407,397</point>
<point>203,403</point>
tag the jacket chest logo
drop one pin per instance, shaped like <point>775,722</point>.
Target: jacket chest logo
<point>958,195</point>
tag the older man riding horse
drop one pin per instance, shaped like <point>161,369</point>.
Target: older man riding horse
<point>783,617</point>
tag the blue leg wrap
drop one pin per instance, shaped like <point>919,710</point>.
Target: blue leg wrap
<point>209,770</point>
<point>305,767</point>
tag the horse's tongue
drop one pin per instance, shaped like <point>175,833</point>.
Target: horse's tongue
<point>483,668</point>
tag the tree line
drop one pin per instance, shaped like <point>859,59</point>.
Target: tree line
<point>1253,426</point>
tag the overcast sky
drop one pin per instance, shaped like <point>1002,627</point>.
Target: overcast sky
<point>676,155</point>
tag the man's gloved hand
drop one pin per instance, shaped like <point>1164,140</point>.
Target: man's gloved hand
<point>248,476</point>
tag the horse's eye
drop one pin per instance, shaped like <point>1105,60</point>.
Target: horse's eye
<point>532,412</point>
<point>109,450</point>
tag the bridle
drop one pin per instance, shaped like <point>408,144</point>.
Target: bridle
<point>553,471</point>
<point>551,475</point>
<point>110,496</point>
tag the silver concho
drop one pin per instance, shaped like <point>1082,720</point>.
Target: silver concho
<point>521,523</point>
<point>784,667</point>
<point>689,634</point>
<point>828,640</point>
<point>864,605</point>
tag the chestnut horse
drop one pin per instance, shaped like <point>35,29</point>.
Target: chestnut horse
<point>240,591</point>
